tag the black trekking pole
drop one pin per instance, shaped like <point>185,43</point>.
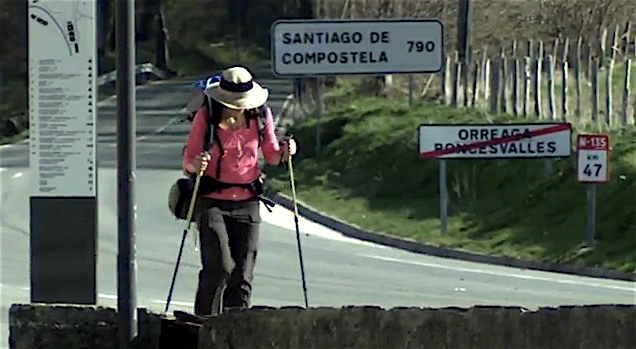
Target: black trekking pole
<point>185,233</point>
<point>300,252</point>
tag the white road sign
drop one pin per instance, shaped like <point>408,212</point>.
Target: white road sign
<point>62,113</point>
<point>592,158</point>
<point>319,47</point>
<point>471,141</point>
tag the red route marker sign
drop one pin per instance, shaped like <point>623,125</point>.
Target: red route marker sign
<point>593,158</point>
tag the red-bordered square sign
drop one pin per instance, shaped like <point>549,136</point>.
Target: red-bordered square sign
<point>593,154</point>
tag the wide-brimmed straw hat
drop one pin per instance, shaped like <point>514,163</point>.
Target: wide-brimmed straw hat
<point>238,90</point>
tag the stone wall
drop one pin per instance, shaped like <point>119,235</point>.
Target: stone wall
<point>603,326</point>
<point>62,326</point>
<point>597,326</point>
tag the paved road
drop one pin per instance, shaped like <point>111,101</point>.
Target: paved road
<point>340,271</point>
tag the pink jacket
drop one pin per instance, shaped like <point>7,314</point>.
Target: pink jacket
<point>240,163</point>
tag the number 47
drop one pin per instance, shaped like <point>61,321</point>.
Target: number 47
<point>588,169</point>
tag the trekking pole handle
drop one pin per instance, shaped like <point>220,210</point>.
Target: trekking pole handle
<point>193,200</point>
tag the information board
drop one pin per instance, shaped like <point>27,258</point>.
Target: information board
<point>382,46</point>
<point>592,158</point>
<point>62,90</point>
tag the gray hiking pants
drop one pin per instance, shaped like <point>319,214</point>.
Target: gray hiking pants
<point>228,232</point>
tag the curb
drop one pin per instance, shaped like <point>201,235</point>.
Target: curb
<point>412,246</point>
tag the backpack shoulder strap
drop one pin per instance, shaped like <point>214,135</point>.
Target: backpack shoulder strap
<point>262,122</point>
<point>211,136</point>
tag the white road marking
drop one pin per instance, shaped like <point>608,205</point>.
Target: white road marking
<point>156,301</point>
<point>9,145</point>
<point>114,297</point>
<point>101,103</point>
<point>107,296</point>
<point>17,175</point>
<point>510,275</point>
<point>112,97</point>
<point>155,132</point>
<point>185,304</point>
<point>284,218</point>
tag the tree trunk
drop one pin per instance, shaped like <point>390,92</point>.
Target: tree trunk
<point>103,16</point>
<point>305,9</point>
<point>146,12</point>
<point>161,49</point>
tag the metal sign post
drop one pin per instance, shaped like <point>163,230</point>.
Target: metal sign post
<point>443,197</point>
<point>592,167</point>
<point>126,295</point>
<point>491,141</point>
<point>320,103</point>
<point>62,115</point>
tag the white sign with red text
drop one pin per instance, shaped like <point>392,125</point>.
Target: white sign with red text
<point>593,158</point>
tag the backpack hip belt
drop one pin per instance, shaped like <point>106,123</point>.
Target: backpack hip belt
<point>210,184</point>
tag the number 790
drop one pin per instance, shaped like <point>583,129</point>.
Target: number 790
<point>420,46</point>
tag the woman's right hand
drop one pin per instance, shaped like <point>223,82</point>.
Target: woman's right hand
<point>200,163</point>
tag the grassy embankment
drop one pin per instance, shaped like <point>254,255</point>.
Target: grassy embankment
<point>369,174</point>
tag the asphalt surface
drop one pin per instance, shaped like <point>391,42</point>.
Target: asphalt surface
<point>340,271</point>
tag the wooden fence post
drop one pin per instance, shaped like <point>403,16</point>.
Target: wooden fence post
<point>475,83</point>
<point>494,85</point>
<point>608,92</point>
<point>564,90</point>
<point>445,78</point>
<point>566,50</point>
<point>577,76</point>
<point>550,71</point>
<point>614,42</point>
<point>541,54</point>
<point>503,81</point>
<point>625,39</point>
<point>536,87</point>
<point>594,90</point>
<point>486,73</point>
<point>527,77</point>
<point>515,86</point>
<point>602,47</point>
<point>626,92</point>
<point>587,58</point>
<point>457,66</point>
<point>465,82</point>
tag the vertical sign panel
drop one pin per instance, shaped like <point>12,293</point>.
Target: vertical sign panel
<point>62,88</point>
<point>63,202</point>
<point>592,158</point>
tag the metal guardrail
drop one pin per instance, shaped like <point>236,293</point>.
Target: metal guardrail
<point>139,69</point>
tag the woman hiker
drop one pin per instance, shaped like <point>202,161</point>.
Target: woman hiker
<point>228,208</point>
